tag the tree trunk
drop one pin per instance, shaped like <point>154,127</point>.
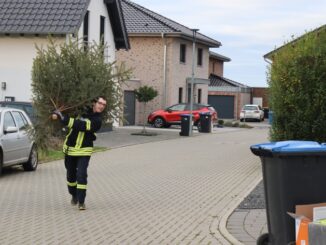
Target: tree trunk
<point>144,118</point>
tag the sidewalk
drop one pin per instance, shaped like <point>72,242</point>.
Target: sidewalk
<point>248,221</point>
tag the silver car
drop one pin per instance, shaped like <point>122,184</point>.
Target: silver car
<point>16,146</point>
<point>253,112</point>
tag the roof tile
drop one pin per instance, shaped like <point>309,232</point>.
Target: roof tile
<point>141,20</point>
<point>37,16</point>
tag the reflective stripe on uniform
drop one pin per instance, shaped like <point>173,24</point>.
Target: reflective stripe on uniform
<point>88,124</point>
<point>71,122</point>
<point>79,139</point>
<point>73,151</point>
<point>72,184</point>
<point>65,147</point>
<point>82,187</point>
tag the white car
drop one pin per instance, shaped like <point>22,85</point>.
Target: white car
<point>251,112</point>
<point>16,145</point>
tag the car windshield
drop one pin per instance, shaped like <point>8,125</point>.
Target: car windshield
<point>250,108</point>
<point>179,107</point>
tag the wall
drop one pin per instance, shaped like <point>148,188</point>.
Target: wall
<point>216,67</point>
<point>17,54</point>
<point>261,93</point>
<point>96,9</point>
<point>179,72</point>
<point>146,59</point>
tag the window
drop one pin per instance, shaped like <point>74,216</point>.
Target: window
<point>179,107</point>
<point>9,98</point>
<point>85,30</point>
<point>200,57</point>
<point>8,121</point>
<point>20,119</point>
<point>199,95</point>
<point>183,53</point>
<point>102,26</point>
<point>189,91</point>
<point>180,94</point>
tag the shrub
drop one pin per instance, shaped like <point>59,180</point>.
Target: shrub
<point>69,78</point>
<point>297,80</point>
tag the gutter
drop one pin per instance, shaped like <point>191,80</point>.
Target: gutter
<point>211,44</point>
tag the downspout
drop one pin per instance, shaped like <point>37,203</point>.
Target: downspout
<point>164,73</point>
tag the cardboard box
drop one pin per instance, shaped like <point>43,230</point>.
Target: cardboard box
<point>304,214</point>
<point>317,234</point>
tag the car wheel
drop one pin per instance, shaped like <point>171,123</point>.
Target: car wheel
<point>263,239</point>
<point>159,122</point>
<point>32,162</point>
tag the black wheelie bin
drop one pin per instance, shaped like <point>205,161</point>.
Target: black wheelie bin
<point>205,120</point>
<point>294,173</point>
<point>185,118</point>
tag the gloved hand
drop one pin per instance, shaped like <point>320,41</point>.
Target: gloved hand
<point>57,114</point>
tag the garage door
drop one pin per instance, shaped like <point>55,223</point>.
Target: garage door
<point>129,108</point>
<point>223,104</point>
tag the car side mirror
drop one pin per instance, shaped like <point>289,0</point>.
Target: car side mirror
<point>11,129</point>
<point>169,110</point>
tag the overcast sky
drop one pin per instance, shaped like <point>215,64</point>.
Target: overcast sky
<point>247,29</point>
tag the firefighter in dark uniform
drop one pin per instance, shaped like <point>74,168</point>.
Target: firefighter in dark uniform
<point>78,147</point>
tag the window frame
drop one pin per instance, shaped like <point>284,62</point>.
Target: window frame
<point>102,29</point>
<point>180,95</point>
<point>86,30</point>
<point>5,126</point>
<point>183,53</point>
<point>199,95</point>
<point>200,52</point>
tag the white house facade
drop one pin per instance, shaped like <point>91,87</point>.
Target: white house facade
<point>21,31</point>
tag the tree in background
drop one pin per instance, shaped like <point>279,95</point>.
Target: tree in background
<point>68,78</point>
<point>145,94</point>
<point>297,80</point>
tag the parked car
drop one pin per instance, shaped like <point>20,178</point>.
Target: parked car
<point>22,105</point>
<point>252,112</point>
<point>16,145</point>
<point>172,115</point>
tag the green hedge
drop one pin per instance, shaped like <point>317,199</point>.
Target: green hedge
<point>297,80</point>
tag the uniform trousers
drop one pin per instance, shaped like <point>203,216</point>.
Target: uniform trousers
<point>76,167</point>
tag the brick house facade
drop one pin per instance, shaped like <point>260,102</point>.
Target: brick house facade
<point>154,58</point>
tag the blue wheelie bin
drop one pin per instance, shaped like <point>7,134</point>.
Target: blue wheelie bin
<point>294,173</point>
<point>270,117</point>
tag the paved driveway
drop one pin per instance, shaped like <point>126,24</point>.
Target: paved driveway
<point>176,191</point>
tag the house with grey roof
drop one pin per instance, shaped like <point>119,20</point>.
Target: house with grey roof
<point>161,56</point>
<point>25,24</point>
<point>225,95</point>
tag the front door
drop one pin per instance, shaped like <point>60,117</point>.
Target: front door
<point>129,108</point>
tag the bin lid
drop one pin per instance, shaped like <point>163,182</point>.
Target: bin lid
<point>290,147</point>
